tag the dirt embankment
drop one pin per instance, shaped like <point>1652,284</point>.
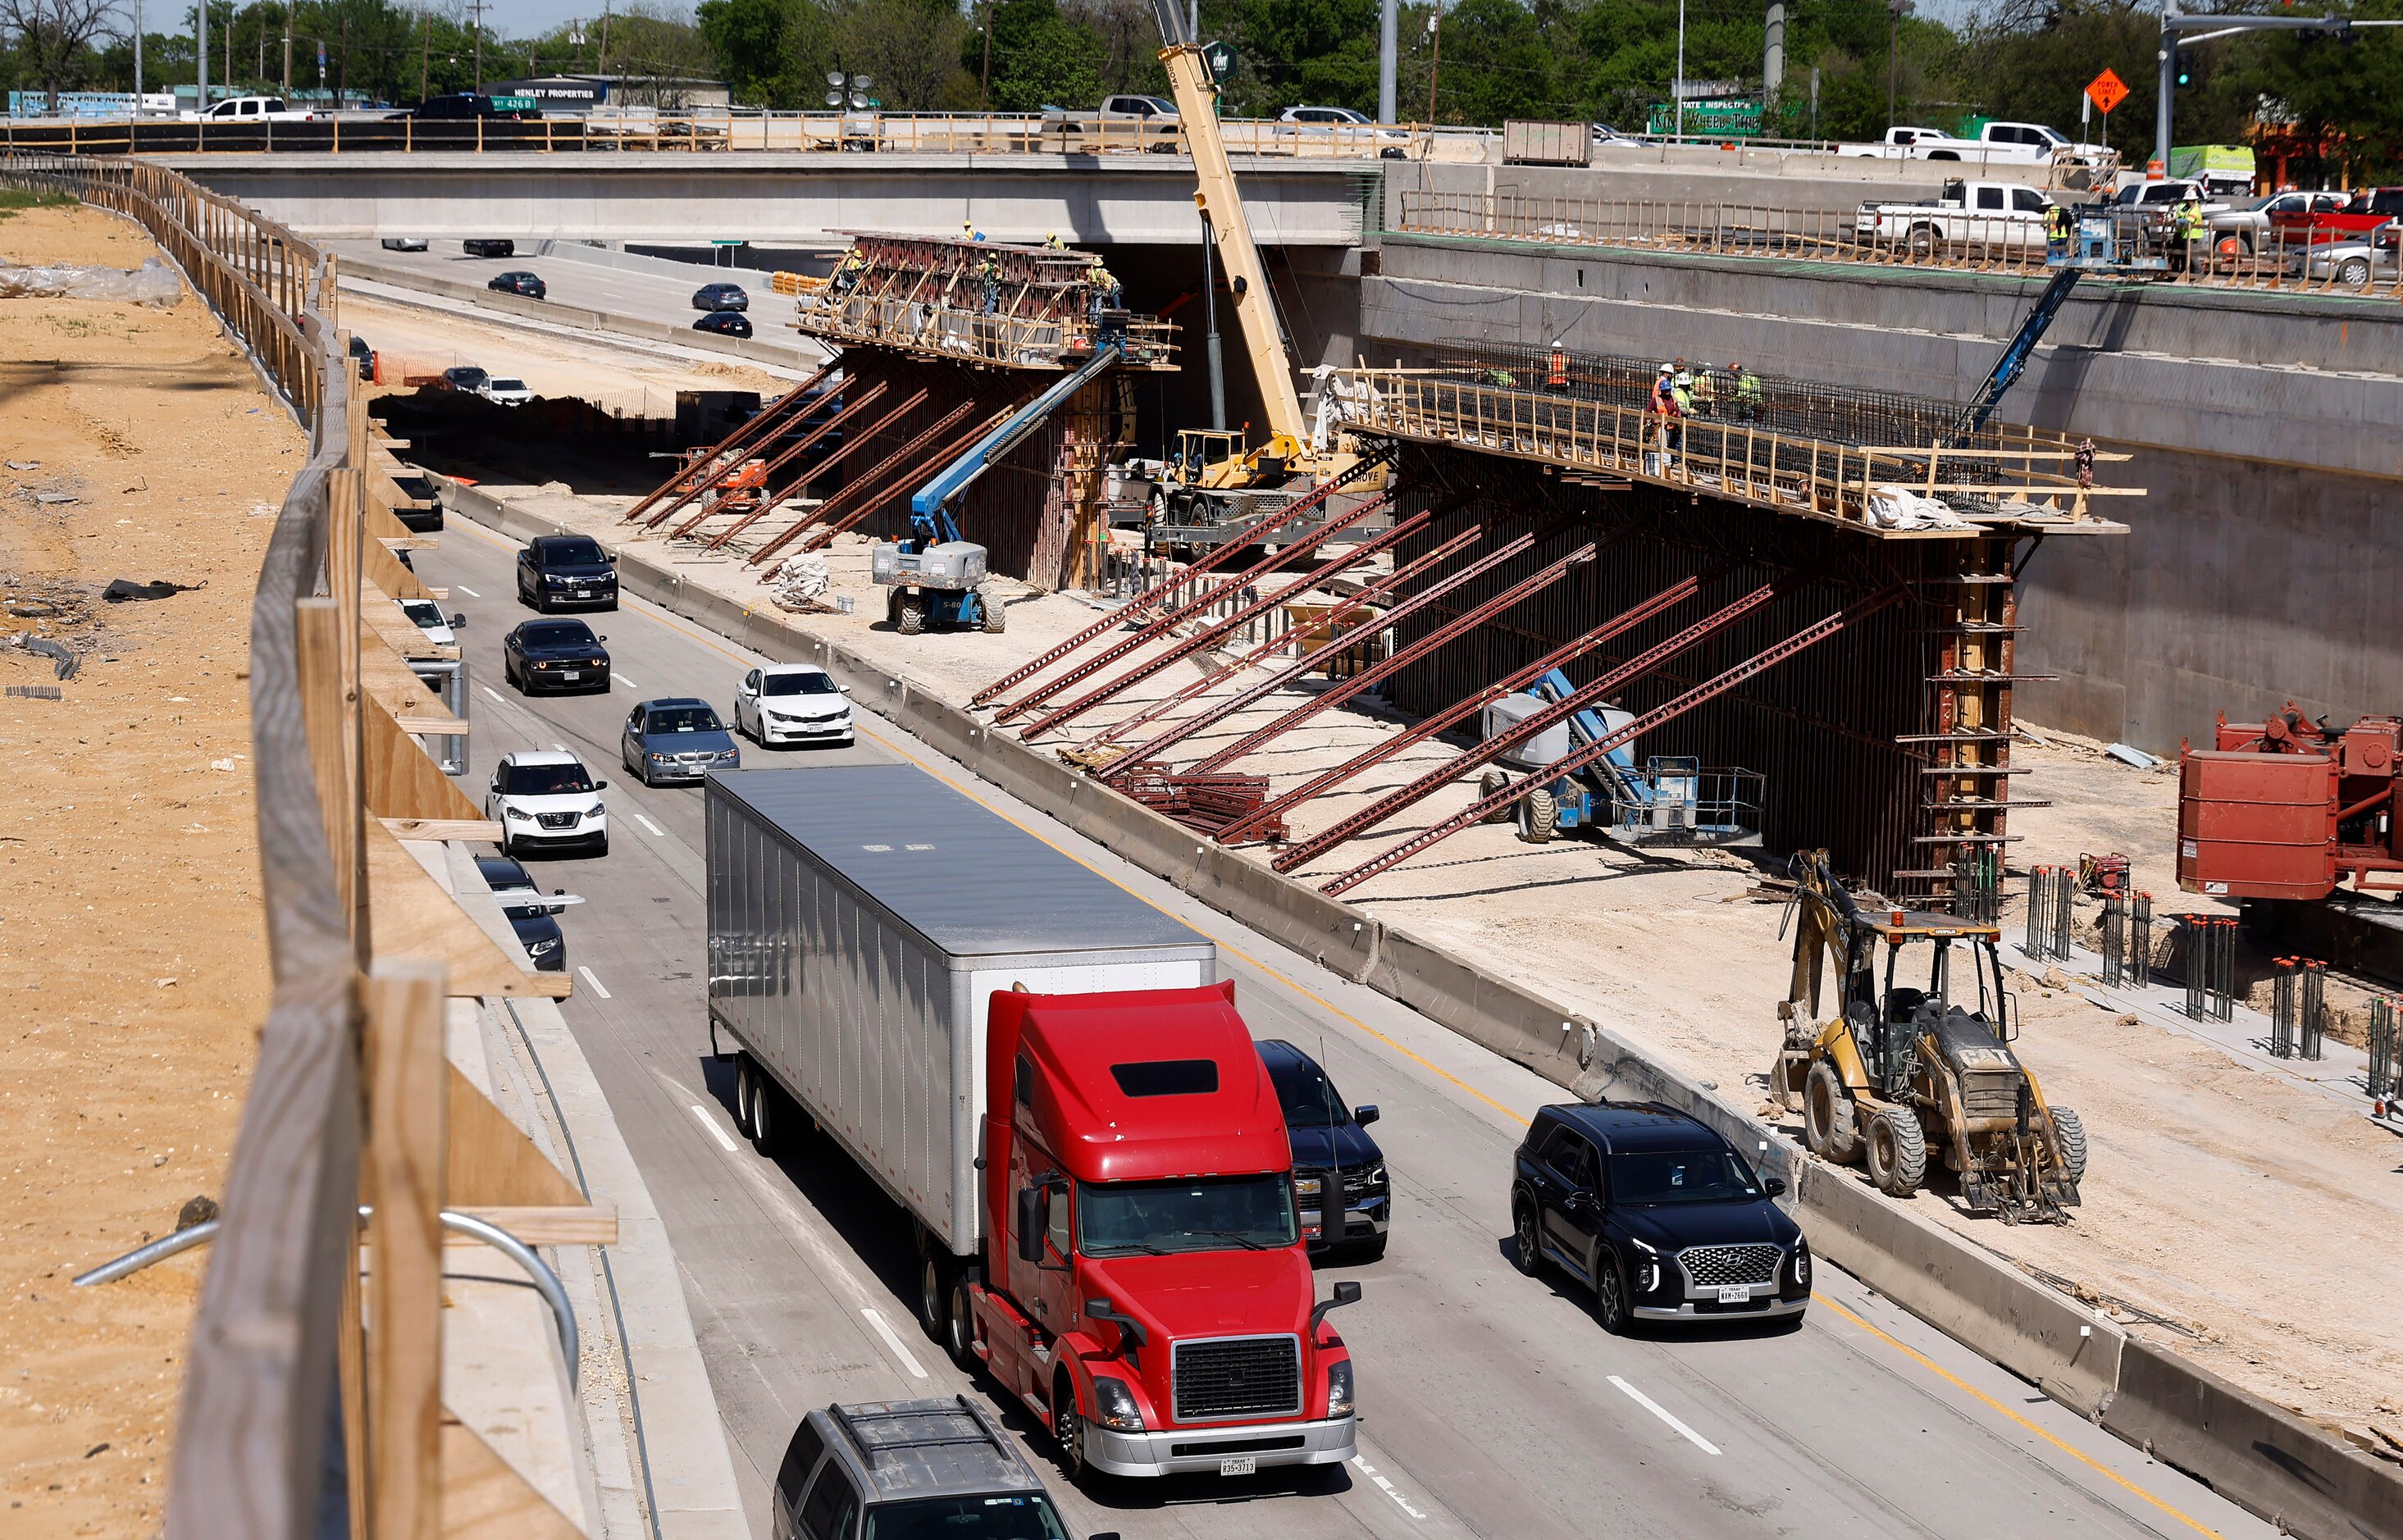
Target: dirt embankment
<point>133,967</point>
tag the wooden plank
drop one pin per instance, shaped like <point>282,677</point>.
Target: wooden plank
<point>383,622</point>
<point>387,677</point>
<point>406,1149</point>
<point>384,569</point>
<point>423,722</point>
<point>402,780</point>
<point>351,1372</point>
<point>594,1224</point>
<point>415,916</point>
<point>331,730</point>
<point>483,1498</point>
<point>494,1165</point>
<point>443,828</point>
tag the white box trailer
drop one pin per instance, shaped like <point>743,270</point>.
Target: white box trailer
<point>860,919</point>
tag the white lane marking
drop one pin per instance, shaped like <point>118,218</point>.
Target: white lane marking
<point>617,679</point>
<point>1657,1409</point>
<point>465,590</point>
<point>560,747</point>
<point>1384,1486</point>
<point>892,1341</point>
<point>494,694</point>
<point>714,1132</point>
<point>649,825</point>
<point>596,984</point>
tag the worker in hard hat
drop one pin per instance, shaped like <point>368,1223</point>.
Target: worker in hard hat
<point>847,272</point>
<point>1052,242</point>
<point>1681,390</point>
<point>1556,367</point>
<point>2059,225</point>
<point>988,272</point>
<point>1747,393</point>
<point>1666,408</point>
<point>1706,393</point>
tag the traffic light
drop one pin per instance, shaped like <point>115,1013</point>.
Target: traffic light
<point>2181,68</point>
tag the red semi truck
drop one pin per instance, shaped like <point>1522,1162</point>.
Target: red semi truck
<point>1046,1074</point>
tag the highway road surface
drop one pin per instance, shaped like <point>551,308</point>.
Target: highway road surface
<point>1492,1404</point>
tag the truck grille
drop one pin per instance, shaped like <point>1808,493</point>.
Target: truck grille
<point>556,820</point>
<point>1715,1267</point>
<point>1223,1378</point>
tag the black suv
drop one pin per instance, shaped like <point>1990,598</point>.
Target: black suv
<point>520,282</point>
<point>528,911</point>
<point>555,571</point>
<point>1339,1173</point>
<point>908,1469</point>
<point>1658,1214</point>
<point>562,655</point>
<point>489,247</point>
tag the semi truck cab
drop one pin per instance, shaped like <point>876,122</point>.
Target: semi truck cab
<point>1145,1288</point>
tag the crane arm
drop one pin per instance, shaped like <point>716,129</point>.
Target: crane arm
<point>1226,224</point>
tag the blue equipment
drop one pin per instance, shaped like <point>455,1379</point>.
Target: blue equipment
<point>1671,799</point>
<point>2095,247</point>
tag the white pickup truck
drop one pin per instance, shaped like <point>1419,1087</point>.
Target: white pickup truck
<point>1897,145</point>
<point>1996,144</point>
<point>1994,216</point>
<point>251,109</point>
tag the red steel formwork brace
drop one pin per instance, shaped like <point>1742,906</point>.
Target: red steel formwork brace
<point>1158,592</point>
<point>1186,647</point>
<point>769,499</point>
<point>866,492</point>
<point>1368,591</point>
<point>908,405</point>
<point>1818,631</point>
<point>1584,697</point>
<point>1332,646</point>
<point>1343,691</point>
<point>1475,701</point>
<point>707,466</point>
<point>1168,623</point>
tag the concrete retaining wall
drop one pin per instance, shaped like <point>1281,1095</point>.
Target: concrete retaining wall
<point>2250,1452</point>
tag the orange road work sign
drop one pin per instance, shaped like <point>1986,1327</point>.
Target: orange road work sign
<point>2106,91</point>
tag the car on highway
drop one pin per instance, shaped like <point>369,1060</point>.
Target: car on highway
<point>518,281</point>
<point>503,390</point>
<point>2251,221</point>
<point>1981,215</point>
<point>427,617</point>
<point>404,243</point>
<point>1655,1212</point>
<point>529,912</point>
<point>723,323</point>
<point>464,377</point>
<point>677,739</point>
<point>1340,1184</point>
<point>783,703</point>
<point>252,109</point>
<point>363,355</point>
<point>561,657</point>
<point>1347,117</point>
<point>720,296</point>
<point>545,799</point>
<point>2357,263</point>
<point>908,1470</point>
<point>483,247</point>
<point>558,569</point>
<point>1606,137</point>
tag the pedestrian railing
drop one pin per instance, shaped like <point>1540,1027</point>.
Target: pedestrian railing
<point>2269,259</point>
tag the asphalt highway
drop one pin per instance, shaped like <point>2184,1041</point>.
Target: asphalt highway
<point>1492,1404</point>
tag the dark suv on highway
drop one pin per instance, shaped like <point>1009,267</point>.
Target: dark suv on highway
<point>518,281</point>
<point>1656,1213</point>
<point>908,1470</point>
<point>1339,1185</point>
<point>556,570</point>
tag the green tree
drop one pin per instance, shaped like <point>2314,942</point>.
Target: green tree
<point>1040,57</point>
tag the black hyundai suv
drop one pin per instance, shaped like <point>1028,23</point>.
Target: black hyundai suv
<point>556,570</point>
<point>1656,1213</point>
<point>1340,1184</point>
<point>912,1470</point>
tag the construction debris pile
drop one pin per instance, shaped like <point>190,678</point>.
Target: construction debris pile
<point>1207,804</point>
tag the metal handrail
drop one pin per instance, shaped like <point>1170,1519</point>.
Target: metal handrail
<point>546,1280</point>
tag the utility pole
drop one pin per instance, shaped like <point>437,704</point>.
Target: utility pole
<point>988,55</point>
<point>287,48</point>
<point>203,11</point>
<point>1388,51</point>
<point>1895,11</point>
<point>425,60</point>
<point>1772,63</point>
<point>1435,62</point>
<point>1681,69</point>
<point>477,7</point>
<point>137,58</point>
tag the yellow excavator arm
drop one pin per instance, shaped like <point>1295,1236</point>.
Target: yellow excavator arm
<point>1226,227</point>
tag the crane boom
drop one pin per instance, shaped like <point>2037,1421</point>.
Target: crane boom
<point>1226,224</point>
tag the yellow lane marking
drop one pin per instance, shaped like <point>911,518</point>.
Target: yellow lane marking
<point>1957,1383</point>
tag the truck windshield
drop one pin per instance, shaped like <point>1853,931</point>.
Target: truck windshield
<point>1681,1176</point>
<point>1207,1213</point>
<point>1017,1516</point>
<point>1307,1096</point>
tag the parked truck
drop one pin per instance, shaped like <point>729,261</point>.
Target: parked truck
<point>1046,1075</point>
<point>1982,215</point>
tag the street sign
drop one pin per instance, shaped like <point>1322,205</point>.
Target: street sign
<point>2106,91</point>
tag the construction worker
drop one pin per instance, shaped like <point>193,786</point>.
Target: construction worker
<point>1504,379</point>
<point>2058,224</point>
<point>1665,404</point>
<point>1706,393</point>
<point>1103,290</point>
<point>1556,368</point>
<point>2186,226</point>
<point>847,273</point>
<point>968,231</point>
<point>1052,242</point>
<point>1681,390</point>
<point>1747,393</point>
<point>988,272</point>
<point>2085,460</point>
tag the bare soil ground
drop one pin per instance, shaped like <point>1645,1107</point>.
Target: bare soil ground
<point>133,966</point>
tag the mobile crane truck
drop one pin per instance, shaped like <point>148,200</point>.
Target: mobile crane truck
<point>1046,1073</point>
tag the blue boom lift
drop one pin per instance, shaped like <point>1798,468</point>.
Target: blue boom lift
<point>1671,799</point>
<point>2094,248</point>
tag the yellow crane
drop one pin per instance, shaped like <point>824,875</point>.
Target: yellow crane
<point>1218,481</point>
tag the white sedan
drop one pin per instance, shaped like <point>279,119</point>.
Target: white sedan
<point>547,800</point>
<point>786,703</point>
<point>2357,263</point>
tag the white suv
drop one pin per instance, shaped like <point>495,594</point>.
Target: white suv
<point>547,800</point>
<point>793,703</point>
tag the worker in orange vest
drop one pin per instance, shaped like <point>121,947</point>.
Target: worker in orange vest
<point>1556,372</point>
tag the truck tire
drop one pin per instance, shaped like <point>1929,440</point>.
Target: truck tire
<point>959,1325</point>
<point>1920,243</point>
<point>934,1286</point>
<point>1068,1431</point>
<point>1829,1126</point>
<point>1491,784</point>
<point>746,1086</point>
<point>2071,1135</point>
<point>767,1115</point>
<point>1898,1152</point>
<point>996,619</point>
<point>910,614</point>
<point>1609,1293</point>
<point>1543,816</point>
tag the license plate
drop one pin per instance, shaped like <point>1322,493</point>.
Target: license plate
<point>1734,1294</point>
<point>1239,1464</point>
<point>571,673</point>
<point>583,593</point>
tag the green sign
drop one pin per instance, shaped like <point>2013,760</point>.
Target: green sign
<point>515,104</point>
<point>1220,57</point>
<point>1720,118</point>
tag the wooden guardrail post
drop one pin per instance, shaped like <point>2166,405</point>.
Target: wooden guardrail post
<point>408,1138</point>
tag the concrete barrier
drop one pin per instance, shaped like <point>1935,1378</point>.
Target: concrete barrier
<point>2257,1456</point>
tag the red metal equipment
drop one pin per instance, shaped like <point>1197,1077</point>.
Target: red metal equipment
<point>1203,803</point>
<point>1585,698</point>
<point>876,486</point>
<point>908,404</point>
<point>1818,631</point>
<point>694,475</point>
<point>1159,592</point>
<point>2290,807</point>
<point>849,410</point>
